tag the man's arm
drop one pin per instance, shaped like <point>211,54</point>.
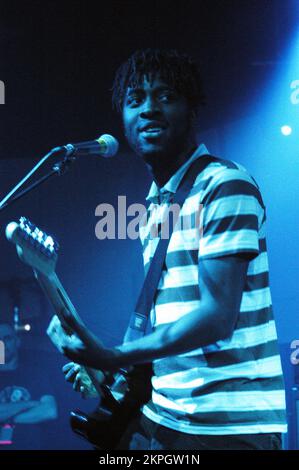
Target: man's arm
<point>221,283</point>
<point>44,411</point>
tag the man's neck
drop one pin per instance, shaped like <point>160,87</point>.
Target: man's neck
<point>162,170</point>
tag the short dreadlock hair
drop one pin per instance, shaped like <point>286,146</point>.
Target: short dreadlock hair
<point>179,71</point>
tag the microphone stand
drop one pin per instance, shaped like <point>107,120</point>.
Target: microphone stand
<point>59,168</point>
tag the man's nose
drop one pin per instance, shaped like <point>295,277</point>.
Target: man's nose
<point>150,108</point>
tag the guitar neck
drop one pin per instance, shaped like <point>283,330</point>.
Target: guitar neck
<point>60,301</point>
<point>57,296</point>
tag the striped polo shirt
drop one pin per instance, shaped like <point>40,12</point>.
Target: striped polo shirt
<point>234,386</point>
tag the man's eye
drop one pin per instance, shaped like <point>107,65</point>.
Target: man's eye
<point>166,97</point>
<point>134,100</point>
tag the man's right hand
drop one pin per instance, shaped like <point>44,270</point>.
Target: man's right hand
<point>77,375</point>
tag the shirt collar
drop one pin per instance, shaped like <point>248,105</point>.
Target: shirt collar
<point>157,194</point>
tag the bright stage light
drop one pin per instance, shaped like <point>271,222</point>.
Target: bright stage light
<point>286,130</point>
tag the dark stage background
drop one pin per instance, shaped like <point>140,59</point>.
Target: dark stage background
<point>57,61</point>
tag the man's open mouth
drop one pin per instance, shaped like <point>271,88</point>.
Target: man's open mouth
<point>155,131</point>
<point>152,130</point>
<point>152,127</point>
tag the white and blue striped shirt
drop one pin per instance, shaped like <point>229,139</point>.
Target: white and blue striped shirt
<point>236,385</point>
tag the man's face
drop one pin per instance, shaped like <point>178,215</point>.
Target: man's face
<point>10,340</point>
<point>157,120</point>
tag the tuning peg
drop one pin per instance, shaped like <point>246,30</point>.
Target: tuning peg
<point>35,236</point>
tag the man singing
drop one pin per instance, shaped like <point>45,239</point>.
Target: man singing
<point>217,379</point>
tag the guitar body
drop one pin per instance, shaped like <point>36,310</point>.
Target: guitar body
<point>105,427</point>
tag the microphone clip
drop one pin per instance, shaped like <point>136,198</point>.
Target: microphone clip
<point>68,157</point>
<point>63,166</point>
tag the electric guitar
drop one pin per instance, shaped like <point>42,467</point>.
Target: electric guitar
<point>121,394</point>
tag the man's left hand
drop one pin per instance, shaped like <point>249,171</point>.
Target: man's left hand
<point>82,346</point>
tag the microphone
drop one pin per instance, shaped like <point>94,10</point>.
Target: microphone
<point>105,146</point>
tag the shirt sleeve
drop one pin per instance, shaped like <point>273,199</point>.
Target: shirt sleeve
<point>232,212</point>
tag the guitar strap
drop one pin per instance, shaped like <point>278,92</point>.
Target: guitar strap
<point>138,325</point>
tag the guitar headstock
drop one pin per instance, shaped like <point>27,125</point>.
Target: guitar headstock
<point>34,246</point>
